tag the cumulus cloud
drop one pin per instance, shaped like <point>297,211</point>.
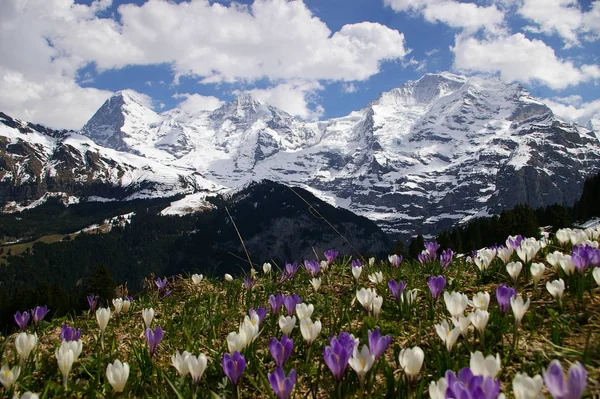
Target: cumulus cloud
<point>564,18</point>
<point>296,98</point>
<point>517,58</point>
<point>48,41</point>
<point>194,102</point>
<point>468,16</point>
<point>573,109</point>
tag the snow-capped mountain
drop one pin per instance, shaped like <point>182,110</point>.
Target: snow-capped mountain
<point>421,157</point>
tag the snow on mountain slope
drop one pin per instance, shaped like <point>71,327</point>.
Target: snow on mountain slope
<point>423,156</point>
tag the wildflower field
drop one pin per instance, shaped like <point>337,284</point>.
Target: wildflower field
<point>520,320</point>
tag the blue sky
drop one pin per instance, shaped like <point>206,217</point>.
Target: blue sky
<point>61,59</point>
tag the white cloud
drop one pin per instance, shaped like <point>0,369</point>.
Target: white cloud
<point>297,99</point>
<point>349,88</point>
<point>572,109</point>
<point>562,17</point>
<point>460,15</point>
<point>518,58</point>
<point>193,103</point>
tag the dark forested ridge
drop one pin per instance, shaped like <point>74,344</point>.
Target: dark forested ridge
<point>275,222</point>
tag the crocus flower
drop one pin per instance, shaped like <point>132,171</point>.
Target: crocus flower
<point>376,278</point>
<point>69,333</point>
<point>485,366</point>
<point>355,263</point>
<point>249,282</point>
<point>505,253</point>
<point>65,356</point>
<point>468,385</point>
<point>596,274</point>
<point>93,302</point>
<point>556,288</point>
<point>25,343</point>
<point>537,270</point>
<point>365,297</point>
<point>290,302</point>
<point>526,387</point>
<point>250,328</point>
<point>233,366</point>
<point>236,341</point>
<point>376,305</point>
<point>281,350</point>
<point>289,271</point>
<point>432,248</point>
<point>261,312</point>
<point>396,288</point>
<point>411,361</point>
<point>102,316</point>
<point>572,388</point>
<point>356,271</point>
<point>310,330</point>
<point>503,296</point>
<point>153,338</point>
<point>148,316</point>
<point>282,385</point>
<point>118,304</point>
<point>447,335</point>
<point>436,285</point>
<point>304,311</point>
<point>179,362</point>
<point>167,294</point>
<point>266,268</point>
<point>581,256</point>
<point>8,376</point>
<point>330,255</point>
<point>313,267</point>
<point>362,361</point>
<point>481,300</point>
<point>22,319</point>
<point>514,269</point>
<point>371,261</point>
<point>117,374</point>
<point>437,389</point>
<point>197,278</point>
<point>395,260</point>
<point>446,258</point>
<point>228,277</point>
<point>276,302</point>
<point>287,324</point>
<point>377,343</point>
<point>456,303</point>
<point>519,307</point>
<point>527,250</point>
<point>514,241</point>
<point>161,284</point>
<point>411,296</point>
<point>479,318</point>
<point>196,366</point>
<point>463,323</point>
<point>337,355</point>
<point>39,312</point>
<point>316,283</point>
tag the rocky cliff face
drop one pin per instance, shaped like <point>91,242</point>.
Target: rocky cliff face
<point>424,156</point>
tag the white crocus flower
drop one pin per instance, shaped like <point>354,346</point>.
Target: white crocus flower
<point>437,390</point>
<point>411,361</point>
<point>456,303</point>
<point>196,366</point>
<point>596,274</point>
<point>479,318</point>
<point>310,331</point>
<point>484,257</point>
<point>118,304</point>
<point>117,374</point>
<point>126,305</point>
<point>179,362</point>
<point>563,236</point>
<point>65,358</point>
<point>481,300</point>
<point>287,324</point>
<point>376,277</point>
<point>526,387</point>
<point>365,297</point>
<point>566,263</point>
<point>228,277</point>
<point>486,367</point>
<point>102,316</point>
<point>537,270</point>
<point>362,361</point>
<point>447,335</point>
<point>463,323</point>
<point>376,305</point>
<point>236,341</point>
<point>304,311</point>
<point>250,328</point>
<point>316,283</point>
<point>9,376</point>
<point>25,343</point>
<point>519,307</point>
<point>371,261</point>
<point>356,271</point>
<point>411,296</point>
<point>266,268</point>
<point>553,259</point>
<point>148,316</point>
<point>505,253</point>
<point>197,278</point>
<point>514,269</point>
<point>556,288</point>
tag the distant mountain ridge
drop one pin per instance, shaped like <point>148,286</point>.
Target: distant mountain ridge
<point>421,157</point>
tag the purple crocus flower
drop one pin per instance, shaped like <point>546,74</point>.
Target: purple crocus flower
<point>153,338</point>
<point>436,285</point>
<point>377,343</point>
<point>39,312</point>
<point>469,386</point>
<point>355,263</point>
<point>289,271</point>
<point>331,255</point>
<point>93,302</point>
<point>276,302</point>
<point>233,366</point>
<point>503,295</point>
<point>338,353</point>
<point>161,284</point>
<point>446,258</point>
<point>282,385</point>
<point>22,319</point>
<point>69,333</point>
<point>167,293</point>
<point>575,385</point>
<point>261,311</point>
<point>432,248</point>
<point>396,288</point>
<point>423,257</point>
<point>582,256</point>
<point>281,350</point>
<point>514,241</point>
<point>290,303</point>
<point>249,282</point>
<point>313,267</point>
